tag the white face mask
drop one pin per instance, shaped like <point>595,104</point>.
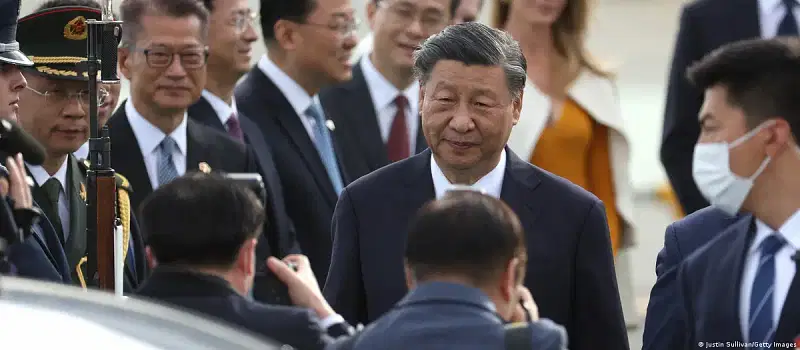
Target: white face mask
<point>712,173</point>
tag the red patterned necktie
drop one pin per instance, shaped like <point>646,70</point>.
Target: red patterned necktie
<point>234,129</point>
<point>397,146</point>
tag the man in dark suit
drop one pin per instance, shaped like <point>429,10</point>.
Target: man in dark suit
<point>378,110</point>
<point>462,296</point>
<point>206,263</point>
<point>469,105</point>
<point>704,26</point>
<point>681,239</point>
<point>54,110</point>
<point>308,43</point>
<point>231,35</point>
<point>741,288</point>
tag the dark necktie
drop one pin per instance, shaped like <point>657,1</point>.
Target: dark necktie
<point>234,129</point>
<point>761,319</point>
<point>165,171</point>
<point>397,146</point>
<point>788,25</point>
<point>52,188</point>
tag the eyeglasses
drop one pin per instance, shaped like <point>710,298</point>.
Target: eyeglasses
<point>162,58</point>
<point>343,28</point>
<point>59,97</point>
<point>430,21</point>
<point>242,20</point>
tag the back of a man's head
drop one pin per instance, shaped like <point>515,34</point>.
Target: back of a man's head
<point>200,220</point>
<point>466,236</point>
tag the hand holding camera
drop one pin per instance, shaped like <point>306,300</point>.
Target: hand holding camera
<point>295,272</point>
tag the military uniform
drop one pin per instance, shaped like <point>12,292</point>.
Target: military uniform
<point>55,40</point>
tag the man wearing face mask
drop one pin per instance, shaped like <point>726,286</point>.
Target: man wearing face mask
<point>737,287</point>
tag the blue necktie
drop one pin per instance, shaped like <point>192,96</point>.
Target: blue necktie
<point>788,25</point>
<point>324,145</point>
<point>761,321</point>
<point>166,168</point>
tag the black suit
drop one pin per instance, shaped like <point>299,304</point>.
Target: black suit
<point>213,296</point>
<point>709,291</point>
<point>704,26</point>
<point>350,106</point>
<point>279,224</point>
<point>570,268</point>
<point>310,196</point>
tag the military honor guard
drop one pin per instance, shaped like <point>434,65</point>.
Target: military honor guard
<point>54,109</point>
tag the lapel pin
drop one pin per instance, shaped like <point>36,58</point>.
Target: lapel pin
<point>331,126</point>
<point>204,167</point>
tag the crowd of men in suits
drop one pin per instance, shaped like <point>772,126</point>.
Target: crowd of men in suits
<point>350,152</point>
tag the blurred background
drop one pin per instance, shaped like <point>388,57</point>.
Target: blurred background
<point>635,39</point>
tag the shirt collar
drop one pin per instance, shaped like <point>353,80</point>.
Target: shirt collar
<point>491,183</point>
<point>41,176</point>
<point>382,91</point>
<point>223,110</point>
<point>149,136</point>
<point>790,231</point>
<point>768,6</point>
<point>297,96</point>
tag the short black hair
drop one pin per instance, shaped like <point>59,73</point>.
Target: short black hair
<point>200,220</point>
<point>474,43</point>
<point>290,10</point>
<point>209,4</point>
<point>59,3</point>
<point>760,76</point>
<point>132,11</point>
<point>467,234</point>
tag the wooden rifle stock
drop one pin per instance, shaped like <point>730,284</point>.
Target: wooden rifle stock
<point>105,223</point>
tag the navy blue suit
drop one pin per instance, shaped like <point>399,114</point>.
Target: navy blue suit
<point>213,296</point>
<point>438,315</point>
<point>570,268</point>
<point>709,290</point>
<point>41,256</point>
<point>682,238</point>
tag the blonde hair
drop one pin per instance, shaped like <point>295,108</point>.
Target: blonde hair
<point>569,34</point>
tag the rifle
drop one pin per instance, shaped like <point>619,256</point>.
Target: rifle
<point>105,256</point>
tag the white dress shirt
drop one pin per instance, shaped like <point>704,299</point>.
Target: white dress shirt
<point>383,94</point>
<point>41,176</point>
<point>770,15</point>
<point>149,137</point>
<point>294,93</point>
<point>83,151</point>
<point>784,268</point>
<point>491,183</point>
<point>223,110</point>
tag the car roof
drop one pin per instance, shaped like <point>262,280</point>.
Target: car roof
<point>93,315</point>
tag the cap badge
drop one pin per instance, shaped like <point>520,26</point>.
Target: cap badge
<point>76,29</point>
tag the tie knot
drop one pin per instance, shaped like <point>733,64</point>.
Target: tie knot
<point>232,120</point>
<point>772,244</point>
<point>168,145</point>
<point>400,101</point>
<point>314,112</point>
<point>53,188</point>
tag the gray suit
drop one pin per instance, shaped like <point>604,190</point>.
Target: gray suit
<point>440,315</point>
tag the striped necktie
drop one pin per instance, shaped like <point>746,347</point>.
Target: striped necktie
<point>761,321</point>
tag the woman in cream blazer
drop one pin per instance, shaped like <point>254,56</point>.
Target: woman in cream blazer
<point>570,122</point>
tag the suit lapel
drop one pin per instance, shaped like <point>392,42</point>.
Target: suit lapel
<point>359,109</point>
<point>743,14</point>
<point>127,158</point>
<point>729,273</point>
<point>519,182</point>
<point>76,243</point>
<point>419,184</point>
<point>195,148</point>
<point>203,112</point>
<point>789,325</point>
<point>289,121</point>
